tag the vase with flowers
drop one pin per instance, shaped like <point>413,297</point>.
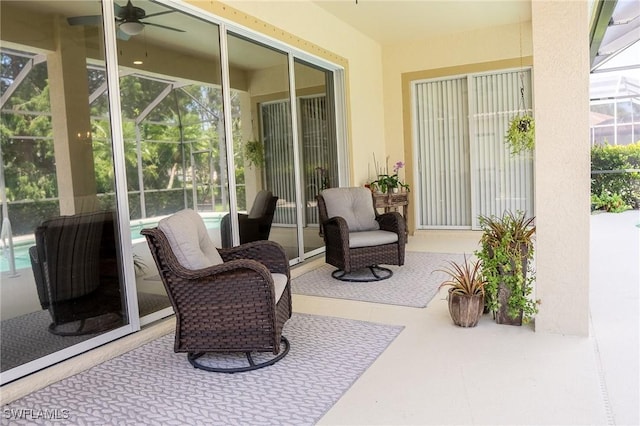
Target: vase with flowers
<point>388,182</point>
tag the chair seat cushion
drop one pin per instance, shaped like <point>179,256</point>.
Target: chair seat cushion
<point>354,205</point>
<point>371,238</point>
<point>279,284</point>
<point>189,240</point>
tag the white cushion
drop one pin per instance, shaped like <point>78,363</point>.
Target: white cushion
<point>189,240</point>
<point>279,284</point>
<point>354,205</point>
<point>371,238</point>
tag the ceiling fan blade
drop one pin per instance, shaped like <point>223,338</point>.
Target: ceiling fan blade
<point>85,20</point>
<point>158,14</point>
<point>162,26</point>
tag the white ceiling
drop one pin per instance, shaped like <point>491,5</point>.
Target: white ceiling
<point>391,21</point>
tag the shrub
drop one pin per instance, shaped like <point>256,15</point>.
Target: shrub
<point>606,188</point>
<point>609,202</point>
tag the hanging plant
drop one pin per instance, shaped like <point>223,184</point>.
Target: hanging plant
<point>521,134</point>
<point>254,153</point>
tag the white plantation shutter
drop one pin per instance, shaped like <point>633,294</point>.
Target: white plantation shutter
<point>464,167</point>
<point>443,154</point>
<point>278,152</point>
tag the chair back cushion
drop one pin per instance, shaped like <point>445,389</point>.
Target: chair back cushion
<point>354,205</point>
<point>68,251</point>
<point>189,240</point>
<point>260,204</point>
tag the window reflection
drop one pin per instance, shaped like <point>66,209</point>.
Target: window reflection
<point>172,116</point>
<point>62,263</point>
<point>260,79</point>
<point>61,269</point>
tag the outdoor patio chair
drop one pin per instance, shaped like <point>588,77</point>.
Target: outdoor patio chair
<point>75,268</point>
<point>254,226</point>
<point>357,237</point>
<point>225,300</point>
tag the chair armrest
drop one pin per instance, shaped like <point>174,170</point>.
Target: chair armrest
<point>228,286</point>
<point>268,253</point>
<point>393,222</point>
<point>336,234</point>
<point>249,228</point>
<point>233,277</point>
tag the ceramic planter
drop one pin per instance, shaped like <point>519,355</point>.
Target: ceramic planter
<point>504,292</point>
<point>465,309</point>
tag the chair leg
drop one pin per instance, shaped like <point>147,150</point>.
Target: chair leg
<point>378,273</point>
<point>193,356</point>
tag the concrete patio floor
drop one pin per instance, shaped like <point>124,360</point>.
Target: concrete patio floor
<point>436,373</point>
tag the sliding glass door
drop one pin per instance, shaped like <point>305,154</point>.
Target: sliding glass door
<point>63,274</point>
<point>317,144</point>
<point>464,167</point>
<point>107,128</point>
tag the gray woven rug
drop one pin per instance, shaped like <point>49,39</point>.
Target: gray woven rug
<point>26,338</point>
<point>153,385</point>
<point>413,284</point>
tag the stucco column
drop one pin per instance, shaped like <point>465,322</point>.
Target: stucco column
<point>562,164</point>
<point>67,69</point>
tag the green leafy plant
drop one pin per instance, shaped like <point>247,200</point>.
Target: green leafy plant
<point>466,292</point>
<point>614,172</point>
<point>464,279</point>
<point>505,255</point>
<point>254,153</point>
<point>609,202</point>
<point>387,182</point>
<point>521,134</point>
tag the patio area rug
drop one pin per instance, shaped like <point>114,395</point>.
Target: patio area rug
<point>26,338</point>
<point>153,385</point>
<point>413,284</point>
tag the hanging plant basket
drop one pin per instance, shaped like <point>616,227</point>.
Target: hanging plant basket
<point>254,153</point>
<point>521,134</point>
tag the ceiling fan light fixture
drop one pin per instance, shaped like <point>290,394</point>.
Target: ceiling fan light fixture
<point>132,28</point>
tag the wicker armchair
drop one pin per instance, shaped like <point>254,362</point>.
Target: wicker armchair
<point>75,268</point>
<point>237,305</point>
<point>357,237</point>
<point>254,226</point>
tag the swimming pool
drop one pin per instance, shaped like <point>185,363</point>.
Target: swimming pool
<point>21,245</point>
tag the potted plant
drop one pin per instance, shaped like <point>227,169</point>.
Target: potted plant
<point>505,254</point>
<point>254,153</point>
<point>466,292</point>
<point>521,134</point>
<point>388,183</point>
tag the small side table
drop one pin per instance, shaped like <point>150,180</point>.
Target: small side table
<point>391,202</point>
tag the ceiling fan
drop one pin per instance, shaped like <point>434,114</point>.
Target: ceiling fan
<point>129,19</point>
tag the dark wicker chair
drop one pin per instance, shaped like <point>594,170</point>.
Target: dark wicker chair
<point>352,250</point>
<point>229,307</point>
<point>254,226</point>
<point>75,269</point>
